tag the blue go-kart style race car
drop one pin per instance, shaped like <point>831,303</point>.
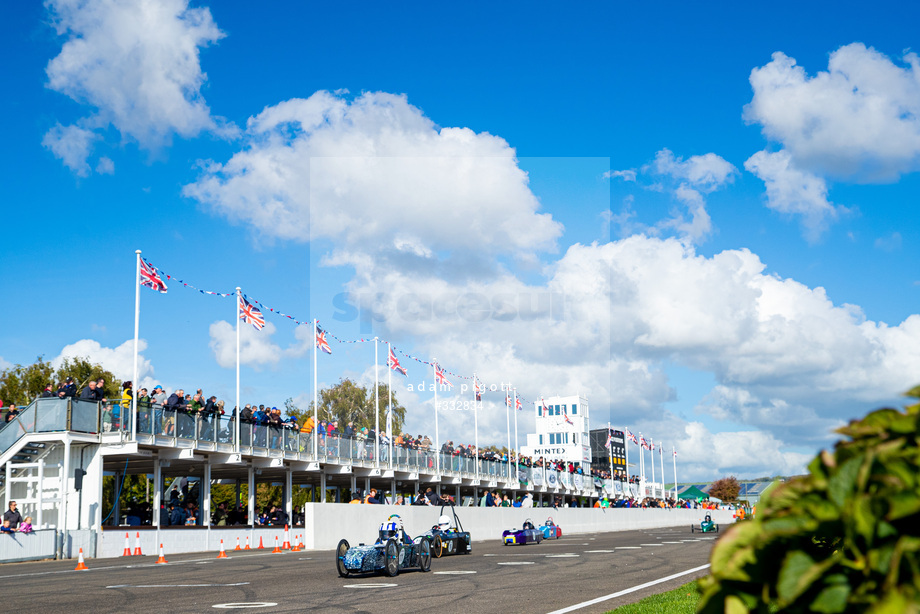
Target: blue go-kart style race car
<point>448,536</point>
<point>527,534</point>
<point>550,529</point>
<point>706,526</point>
<point>393,550</point>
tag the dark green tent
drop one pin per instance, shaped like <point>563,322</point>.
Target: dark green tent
<point>693,493</point>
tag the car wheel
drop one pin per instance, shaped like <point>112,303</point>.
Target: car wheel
<point>392,558</point>
<point>437,547</point>
<point>692,528</point>
<point>340,552</point>
<point>717,528</point>
<point>424,555</point>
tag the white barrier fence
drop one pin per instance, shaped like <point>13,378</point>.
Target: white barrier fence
<point>34,546</point>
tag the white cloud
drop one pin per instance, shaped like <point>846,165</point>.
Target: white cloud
<point>705,173</point>
<point>744,454</point>
<point>72,145</point>
<point>119,360</point>
<point>105,166</point>
<point>137,65</point>
<point>858,120</point>
<point>256,347</point>
<point>4,364</point>
<point>889,243</point>
<point>793,191</point>
<point>625,175</point>
<point>376,170</point>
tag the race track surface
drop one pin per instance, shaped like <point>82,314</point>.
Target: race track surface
<point>546,577</point>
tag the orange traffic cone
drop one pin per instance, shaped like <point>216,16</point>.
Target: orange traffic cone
<point>287,542</point>
<point>294,546</point>
<point>247,544</point>
<point>162,560</point>
<point>300,545</point>
<point>277,550</point>
<point>261,547</point>
<point>223,553</point>
<point>237,543</point>
<point>81,566</point>
<point>137,545</point>
<point>127,551</point>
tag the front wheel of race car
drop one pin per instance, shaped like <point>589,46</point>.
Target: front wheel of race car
<point>392,556</point>
<point>424,555</point>
<point>437,547</point>
<point>340,551</point>
<point>692,529</point>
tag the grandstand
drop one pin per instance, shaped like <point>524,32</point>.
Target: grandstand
<point>750,492</point>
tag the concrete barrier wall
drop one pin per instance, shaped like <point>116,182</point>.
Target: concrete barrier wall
<point>32,546</point>
<point>327,523</point>
<point>359,523</point>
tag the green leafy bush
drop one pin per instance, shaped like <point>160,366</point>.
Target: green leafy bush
<point>844,538</point>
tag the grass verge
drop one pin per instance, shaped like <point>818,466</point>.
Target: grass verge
<point>681,600</point>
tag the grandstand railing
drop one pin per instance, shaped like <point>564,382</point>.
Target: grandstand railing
<point>171,428</point>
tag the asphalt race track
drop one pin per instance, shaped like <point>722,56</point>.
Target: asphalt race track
<point>550,576</point>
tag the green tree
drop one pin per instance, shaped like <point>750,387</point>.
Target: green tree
<point>725,489</point>
<point>82,371</point>
<point>348,402</point>
<point>20,384</point>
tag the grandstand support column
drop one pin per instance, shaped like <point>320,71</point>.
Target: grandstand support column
<point>457,495</point>
<point>393,489</point>
<point>289,494</point>
<point>251,495</point>
<point>65,482</point>
<point>157,492</point>
<point>322,487</point>
<point>206,495</point>
<point>475,496</point>
<point>367,486</point>
<point>354,484</point>
<point>116,513</point>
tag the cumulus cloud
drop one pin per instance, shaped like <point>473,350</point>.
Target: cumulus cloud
<point>256,347</point>
<point>793,191</point>
<point>625,175</point>
<point>376,170</point>
<point>119,360</point>
<point>859,120</point>
<point>136,65</point>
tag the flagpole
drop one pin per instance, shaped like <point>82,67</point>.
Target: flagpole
<point>508,421</point>
<point>661,460</point>
<point>437,441</point>
<point>390,402</point>
<point>137,325</point>
<point>515,425</point>
<point>626,445</point>
<point>376,409</point>
<point>476,428</point>
<point>674,458</point>
<point>641,465</point>
<point>651,455</point>
<point>315,432</point>
<point>610,451</point>
<point>239,408</point>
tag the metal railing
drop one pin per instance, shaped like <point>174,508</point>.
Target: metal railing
<point>161,426</point>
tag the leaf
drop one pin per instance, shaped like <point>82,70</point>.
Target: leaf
<point>843,483</point>
<point>795,576</point>
<point>831,599</point>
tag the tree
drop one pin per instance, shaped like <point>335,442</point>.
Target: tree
<point>20,384</point>
<point>347,402</point>
<point>725,489</point>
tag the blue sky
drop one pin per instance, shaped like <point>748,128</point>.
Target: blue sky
<point>722,199</point>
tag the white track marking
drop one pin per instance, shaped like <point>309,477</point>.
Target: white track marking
<point>585,604</point>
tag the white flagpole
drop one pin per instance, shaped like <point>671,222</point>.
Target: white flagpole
<point>390,402</point>
<point>137,326</point>
<point>674,458</point>
<point>515,429</point>
<point>315,400</point>
<point>239,408</point>
<point>641,466</point>
<point>651,455</point>
<point>661,460</point>
<point>437,441</point>
<point>508,420</point>
<point>610,451</point>
<point>626,445</point>
<point>376,408</point>
<point>476,429</point>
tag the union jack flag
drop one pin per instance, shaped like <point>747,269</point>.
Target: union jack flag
<point>609,440</point>
<point>507,399</point>
<point>674,452</point>
<point>643,443</point>
<point>566,416</point>
<point>393,363</point>
<point>478,390</point>
<point>517,404</point>
<point>250,314</point>
<point>321,342</point>
<point>631,437</point>
<point>150,277</point>
<point>545,408</point>
<point>440,377</point>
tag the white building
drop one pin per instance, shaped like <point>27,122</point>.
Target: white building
<point>562,430</point>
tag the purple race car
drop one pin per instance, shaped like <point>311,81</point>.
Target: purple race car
<point>525,535</point>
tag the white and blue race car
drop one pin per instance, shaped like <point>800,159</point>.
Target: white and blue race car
<point>393,550</point>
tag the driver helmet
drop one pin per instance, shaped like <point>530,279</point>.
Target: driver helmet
<point>444,522</point>
<point>708,518</point>
<point>549,521</point>
<point>391,527</point>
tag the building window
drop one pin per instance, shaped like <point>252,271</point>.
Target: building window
<point>574,408</point>
<point>538,412</point>
<point>557,410</point>
<point>541,440</point>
